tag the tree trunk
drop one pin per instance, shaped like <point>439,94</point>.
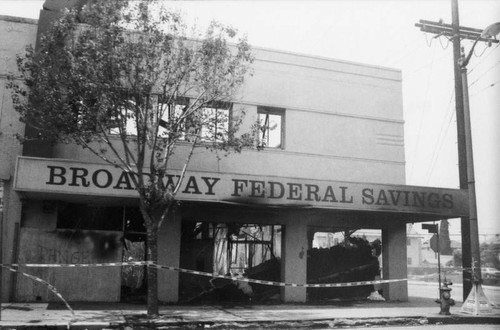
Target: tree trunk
<point>152,298</point>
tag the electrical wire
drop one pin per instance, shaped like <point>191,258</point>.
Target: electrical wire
<point>429,44</point>
<point>420,125</point>
<point>484,50</point>
<point>394,60</point>
<point>447,43</point>
<point>485,88</point>
<point>443,133</point>
<point>483,74</point>
<point>424,66</point>
<point>483,59</point>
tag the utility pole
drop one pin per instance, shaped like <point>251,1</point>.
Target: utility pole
<point>455,32</point>
<point>462,154</point>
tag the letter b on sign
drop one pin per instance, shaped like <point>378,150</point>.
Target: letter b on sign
<point>56,175</point>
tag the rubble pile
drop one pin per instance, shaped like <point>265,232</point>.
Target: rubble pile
<point>342,263</point>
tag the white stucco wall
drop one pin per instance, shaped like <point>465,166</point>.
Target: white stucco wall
<point>343,121</point>
<point>16,33</point>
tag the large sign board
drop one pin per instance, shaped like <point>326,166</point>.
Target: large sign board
<point>41,175</point>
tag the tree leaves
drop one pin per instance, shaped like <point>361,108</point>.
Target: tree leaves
<point>124,80</point>
<point>110,75</point>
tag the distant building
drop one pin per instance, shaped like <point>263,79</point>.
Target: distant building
<point>414,249</point>
<point>429,257</point>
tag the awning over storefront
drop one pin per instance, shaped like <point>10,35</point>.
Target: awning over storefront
<point>43,178</point>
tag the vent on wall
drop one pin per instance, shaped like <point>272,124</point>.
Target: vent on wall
<point>394,140</point>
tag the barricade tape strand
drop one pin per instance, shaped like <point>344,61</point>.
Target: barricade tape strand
<point>47,284</point>
<point>107,264</point>
<point>195,272</point>
<point>144,263</point>
<point>250,280</point>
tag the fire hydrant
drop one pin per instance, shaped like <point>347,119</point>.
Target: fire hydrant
<point>445,298</point>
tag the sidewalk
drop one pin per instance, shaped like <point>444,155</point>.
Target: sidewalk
<point>418,311</point>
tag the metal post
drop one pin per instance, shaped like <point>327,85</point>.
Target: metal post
<point>439,263</point>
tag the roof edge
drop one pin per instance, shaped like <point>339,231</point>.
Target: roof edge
<point>17,19</point>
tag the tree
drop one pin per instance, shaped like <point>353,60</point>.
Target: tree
<point>124,80</point>
<point>490,253</point>
<point>444,240</point>
<point>457,258</point>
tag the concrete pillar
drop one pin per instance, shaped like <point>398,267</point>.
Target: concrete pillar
<point>294,259</point>
<point>394,261</point>
<point>169,251</point>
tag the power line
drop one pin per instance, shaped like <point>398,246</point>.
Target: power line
<point>483,59</point>
<point>422,115</point>
<point>485,88</point>
<point>443,133</point>
<point>483,74</point>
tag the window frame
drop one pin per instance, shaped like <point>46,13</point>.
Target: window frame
<point>180,101</point>
<point>266,110</point>
<point>218,106</point>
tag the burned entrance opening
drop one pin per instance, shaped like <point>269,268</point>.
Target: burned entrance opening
<point>238,250</point>
<point>340,256</point>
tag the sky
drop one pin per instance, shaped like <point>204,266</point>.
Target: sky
<point>383,33</point>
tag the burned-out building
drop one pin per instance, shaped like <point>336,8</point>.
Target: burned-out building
<point>334,161</point>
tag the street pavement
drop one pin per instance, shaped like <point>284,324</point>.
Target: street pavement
<point>431,290</point>
<point>417,311</point>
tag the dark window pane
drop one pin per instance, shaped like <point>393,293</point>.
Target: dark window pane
<point>134,221</point>
<point>82,216</point>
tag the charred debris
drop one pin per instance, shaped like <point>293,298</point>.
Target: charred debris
<point>254,251</point>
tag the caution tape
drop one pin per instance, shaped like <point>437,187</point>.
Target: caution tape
<point>294,285</point>
<point>106,264</point>
<point>177,269</point>
<point>47,284</point>
<point>213,275</point>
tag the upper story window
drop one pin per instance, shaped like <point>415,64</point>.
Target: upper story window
<point>171,117</point>
<point>215,122</point>
<point>271,122</point>
<point>209,123</point>
<point>125,120</point>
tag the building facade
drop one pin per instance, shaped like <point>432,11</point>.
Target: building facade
<point>16,33</point>
<point>335,162</point>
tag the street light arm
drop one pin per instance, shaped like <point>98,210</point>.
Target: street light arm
<point>489,32</point>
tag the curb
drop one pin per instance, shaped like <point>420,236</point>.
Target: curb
<point>281,324</point>
<point>134,323</point>
<point>456,319</point>
<point>315,324</point>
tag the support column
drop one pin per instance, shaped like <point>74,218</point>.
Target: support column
<point>169,251</point>
<point>294,259</point>
<point>394,261</point>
